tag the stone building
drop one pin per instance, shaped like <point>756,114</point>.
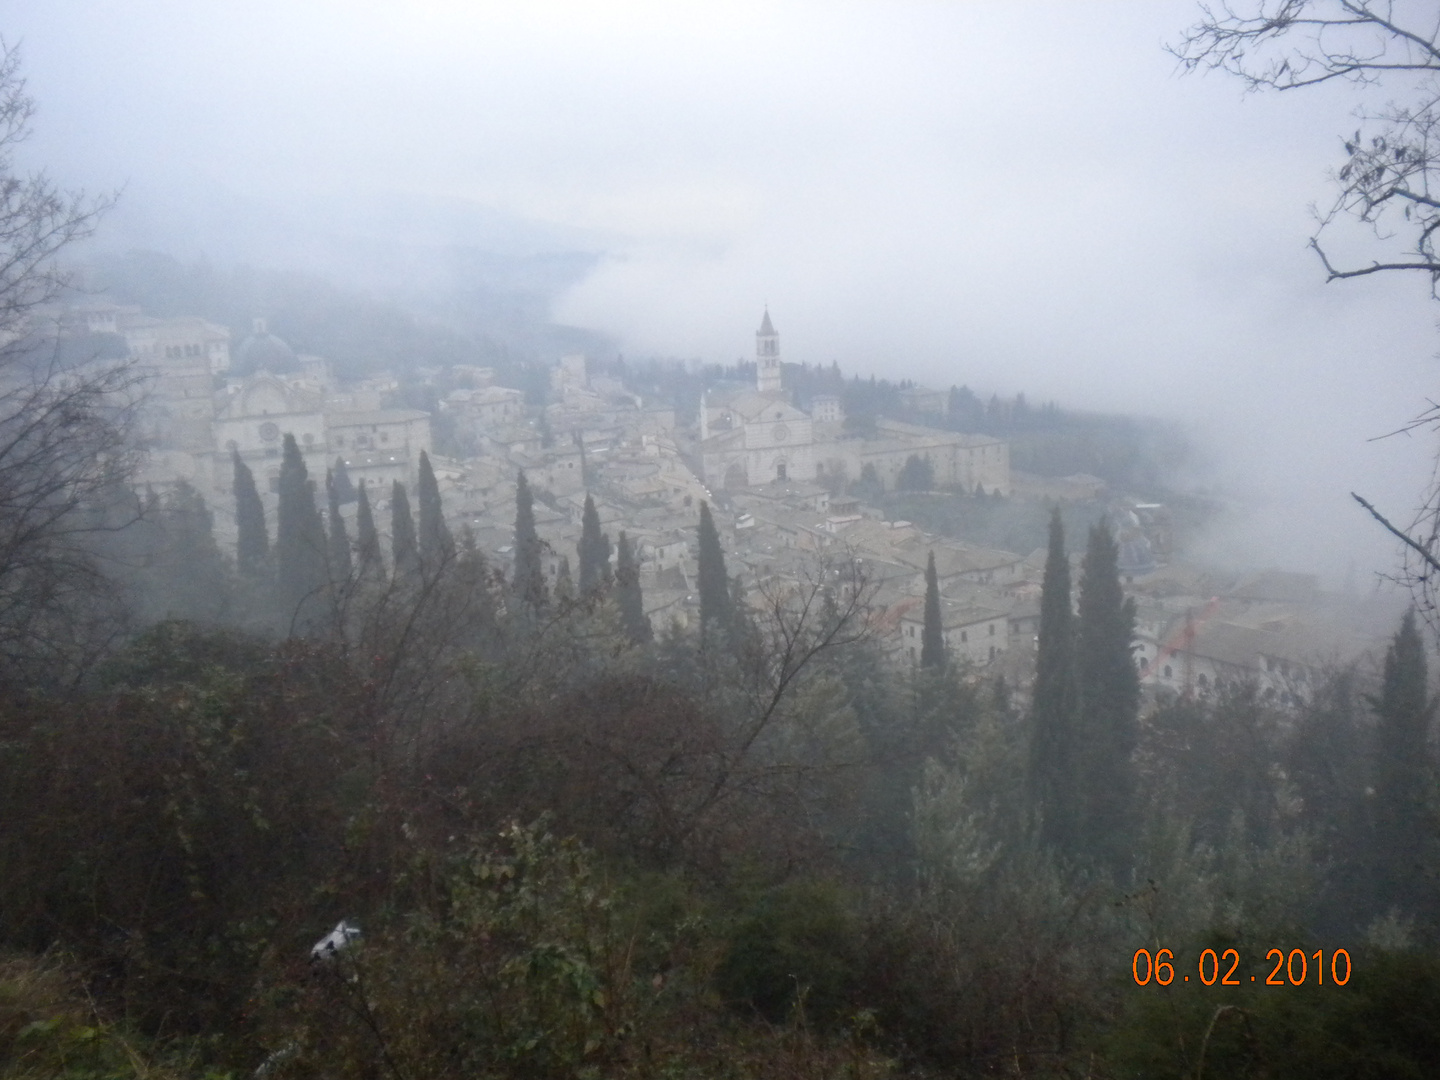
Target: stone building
<point>179,360</point>
<point>972,632</point>
<point>957,459</point>
<point>756,436</point>
<point>254,417</point>
<point>379,445</point>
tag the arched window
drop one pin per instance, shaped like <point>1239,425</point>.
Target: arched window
<point>1168,673</point>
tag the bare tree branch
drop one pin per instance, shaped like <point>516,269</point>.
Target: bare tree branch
<point>1399,534</point>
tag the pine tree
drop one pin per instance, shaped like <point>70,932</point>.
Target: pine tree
<point>367,538</point>
<point>594,549</point>
<point>529,580</point>
<point>437,547</point>
<point>1109,700</point>
<point>627,592</point>
<point>1054,746</point>
<point>564,583</point>
<point>1403,776</point>
<point>932,637</point>
<point>404,547</point>
<point>252,552</point>
<point>715,605</point>
<point>341,566</point>
<point>342,482</point>
<point>301,575</point>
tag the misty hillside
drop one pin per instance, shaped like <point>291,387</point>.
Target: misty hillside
<point>496,311</point>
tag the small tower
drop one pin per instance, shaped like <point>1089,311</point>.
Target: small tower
<point>767,357</point>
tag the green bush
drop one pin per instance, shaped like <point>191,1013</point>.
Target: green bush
<point>795,945</point>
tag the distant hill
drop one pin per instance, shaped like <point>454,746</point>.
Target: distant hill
<point>495,312</point>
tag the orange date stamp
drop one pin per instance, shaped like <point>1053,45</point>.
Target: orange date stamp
<point>1294,968</point>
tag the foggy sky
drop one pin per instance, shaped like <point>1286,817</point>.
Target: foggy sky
<point>1018,197</point>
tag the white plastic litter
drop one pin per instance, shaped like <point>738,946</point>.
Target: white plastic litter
<point>330,945</point>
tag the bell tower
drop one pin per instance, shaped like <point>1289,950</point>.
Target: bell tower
<point>767,357</point>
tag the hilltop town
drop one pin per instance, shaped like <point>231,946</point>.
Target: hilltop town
<point>790,481</point>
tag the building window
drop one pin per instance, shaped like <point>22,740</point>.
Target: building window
<point>964,636</point>
<point>1144,663</point>
<point>1203,681</point>
<point>992,629</point>
<point>1168,673</point>
<point>992,652</point>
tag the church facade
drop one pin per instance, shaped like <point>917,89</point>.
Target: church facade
<point>756,436</point>
<point>750,437</point>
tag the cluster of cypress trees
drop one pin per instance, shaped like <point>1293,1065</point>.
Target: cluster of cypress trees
<point>171,560</point>
<point>596,575</point>
<point>309,562</point>
<point>1085,708</point>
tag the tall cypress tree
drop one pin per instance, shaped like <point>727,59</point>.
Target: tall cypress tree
<point>715,605</point>
<point>627,591</point>
<point>1326,763</point>
<point>932,637</point>
<point>1403,776</point>
<point>594,550</point>
<point>437,547</point>
<point>252,552</point>
<point>367,538</point>
<point>469,582</point>
<point>342,482</point>
<point>564,583</point>
<point>404,547</point>
<point>1054,744</point>
<point>341,565</point>
<point>1109,699</point>
<point>301,575</point>
<point>529,581</point>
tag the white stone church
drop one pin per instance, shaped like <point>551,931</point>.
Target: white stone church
<point>750,437</point>
<point>756,436</point>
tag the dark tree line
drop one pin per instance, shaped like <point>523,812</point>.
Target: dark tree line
<point>1085,713</point>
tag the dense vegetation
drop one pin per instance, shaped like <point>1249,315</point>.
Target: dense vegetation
<point>760,851</point>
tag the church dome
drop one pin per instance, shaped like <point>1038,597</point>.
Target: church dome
<point>263,351</point>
